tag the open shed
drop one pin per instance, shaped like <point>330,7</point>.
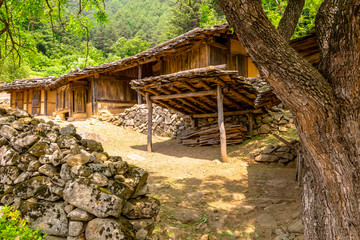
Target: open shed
<point>207,92</point>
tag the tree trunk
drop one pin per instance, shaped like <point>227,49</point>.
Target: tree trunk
<point>325,103</point>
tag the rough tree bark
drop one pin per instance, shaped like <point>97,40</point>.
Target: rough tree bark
<point>325,103</point>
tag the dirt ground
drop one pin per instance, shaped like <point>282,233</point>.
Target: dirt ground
<point>202,198</point>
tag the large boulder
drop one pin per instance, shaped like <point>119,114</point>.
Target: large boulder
<point>85,194</point>
<point>105,229</point>
<point>50,218</point>
<point>41,187</point>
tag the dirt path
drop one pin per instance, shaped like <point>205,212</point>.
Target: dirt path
<point>203,198</point>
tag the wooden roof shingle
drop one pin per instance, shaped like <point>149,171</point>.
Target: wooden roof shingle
<point>19,84</point>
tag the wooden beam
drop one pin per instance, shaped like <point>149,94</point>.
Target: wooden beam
<point>149,130</point>
<point>184,95</point>
<point>45,102</point>
<point>201,103</point>
<point>233,113</point>
<point>192,102</point>
<point>234,92</point>
<point>162,104</point>
<point>139,97</point>
<point>221,124</point>
<point>226,99</point>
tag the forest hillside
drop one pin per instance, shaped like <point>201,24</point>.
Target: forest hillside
<point>54,47</point>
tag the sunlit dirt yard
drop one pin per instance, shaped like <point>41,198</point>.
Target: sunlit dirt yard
<point>203,198</point>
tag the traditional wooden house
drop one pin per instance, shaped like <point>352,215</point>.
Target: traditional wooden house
<point>83,93</point>
<point>32,95</point>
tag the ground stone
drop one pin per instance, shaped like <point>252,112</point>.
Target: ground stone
<point>296,227</point>
<point>187,216</point>
<point>266,220</point>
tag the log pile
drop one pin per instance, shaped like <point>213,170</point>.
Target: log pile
<point>209,135</point>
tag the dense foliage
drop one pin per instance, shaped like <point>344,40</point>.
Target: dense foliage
<point>13,227</point>
<point>54,41</point>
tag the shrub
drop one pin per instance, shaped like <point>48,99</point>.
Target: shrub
<point>12,227</point>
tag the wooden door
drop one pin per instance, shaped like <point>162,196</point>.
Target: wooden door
<point>19,100</point>
<point>79,100</point>
<point>36,102</point>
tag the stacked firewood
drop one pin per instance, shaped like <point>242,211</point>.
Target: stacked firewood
<point>209,135</point>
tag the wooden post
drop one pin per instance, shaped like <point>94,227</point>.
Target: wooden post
<point>139,97</point>
<point>95,97</point>
<point>11,98</point>
<point>71,96</point>
<point>45,102</point>
<point>149,130</point>
<point>221,123</point>
<point>27,100</point>
<point>250,118</point>
<point>92,96</point>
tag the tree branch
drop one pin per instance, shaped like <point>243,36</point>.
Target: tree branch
<point>278,4</point>
<point>87,32</point>
<point>51,20</point>
<point>290,19</point>
<point>338,28</point>
<point>295,81</point>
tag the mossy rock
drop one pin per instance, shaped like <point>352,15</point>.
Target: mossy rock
<point>39,148</point>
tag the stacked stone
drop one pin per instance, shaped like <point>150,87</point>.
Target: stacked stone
<point>280,155</point>
<point>165,122</point>
<point>276,120</point>
<point>168,123</point>
<point>68,186</point>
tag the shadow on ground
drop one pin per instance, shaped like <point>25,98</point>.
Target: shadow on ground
<point>173,148</point>
<point>225,208</point>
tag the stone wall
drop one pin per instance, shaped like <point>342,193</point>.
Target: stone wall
<point>279,155</point>
<point>168,123</point>
<point>69,186</point>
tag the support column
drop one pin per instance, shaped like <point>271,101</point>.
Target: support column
<point>250,118</point>
<point>92,98</point>
<point>11,98</point>
<point>149,130</point>
<point>45,102</point>
<point>27,100</point>
<point>139,97</point>
<point>95,97</point>
<point>221,123</point>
